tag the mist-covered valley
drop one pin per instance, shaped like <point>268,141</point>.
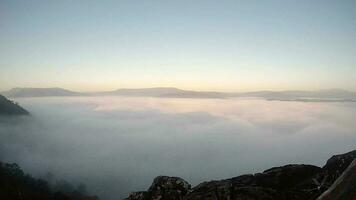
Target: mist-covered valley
<point>116,145</point>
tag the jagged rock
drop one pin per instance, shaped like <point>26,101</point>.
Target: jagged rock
<point>277,183</point>
<point>164,188</point>
<point>344,188</point>
<point>210,190</point>
<point>337,164</point>
<point>224,189</point>
<point>290,182</point>
<point>286,177</point>
<point>138,196</point>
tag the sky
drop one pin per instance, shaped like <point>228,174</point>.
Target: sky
<point>202,45</point>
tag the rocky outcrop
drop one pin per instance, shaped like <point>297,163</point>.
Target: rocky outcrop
<point>287,182</point>
<point>164,188</point>
<point>344,187</point>
<point>290,182</point>
<point>336,165</point>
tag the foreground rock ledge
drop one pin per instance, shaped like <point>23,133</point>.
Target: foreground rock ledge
<point>290,182</point>
<point>344,187</point>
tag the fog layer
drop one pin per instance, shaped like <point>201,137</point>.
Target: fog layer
<point>116,145</point>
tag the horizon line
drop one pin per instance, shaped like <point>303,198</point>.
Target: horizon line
<point>178,88</point>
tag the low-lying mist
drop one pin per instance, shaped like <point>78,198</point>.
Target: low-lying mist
<point>116,145</point>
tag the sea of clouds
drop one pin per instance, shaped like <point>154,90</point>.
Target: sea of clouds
<point>116,145</point>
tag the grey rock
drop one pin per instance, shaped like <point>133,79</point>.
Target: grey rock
<point>287,182</point>
<point>337,164</point>
<point>163,188</point>
<point>290,182</point>
<point>344,188</point>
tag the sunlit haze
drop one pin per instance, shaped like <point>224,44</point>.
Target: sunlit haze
<point>177,99</point>
<point>200,45</point>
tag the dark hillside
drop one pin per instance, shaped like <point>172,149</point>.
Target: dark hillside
<point>8,107</point>
<point>16,185</point>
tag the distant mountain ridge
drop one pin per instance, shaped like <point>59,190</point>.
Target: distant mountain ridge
<point>171,92</point>
<point>163,92</point>
<point>39,92</point>
<point>301,95</point>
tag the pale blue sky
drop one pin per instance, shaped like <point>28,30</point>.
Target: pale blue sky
<point>203,45</point>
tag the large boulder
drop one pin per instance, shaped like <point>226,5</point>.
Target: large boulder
<point>290,182</point>
<point>215,190</point>
<point>138,196</point>
<point>286,177</point>
<point>336,165</point>
<point>344,188</point>
<point>280,183</point>
<point>164,188</point>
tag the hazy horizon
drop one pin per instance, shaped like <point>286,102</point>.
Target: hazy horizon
<point>262,84</point>
<point>206,90</point>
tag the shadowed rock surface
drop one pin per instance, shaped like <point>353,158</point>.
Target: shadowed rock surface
<point>164,188</point>
<point>290,182</point>
<point>336,165</point>
<point>344,187</point>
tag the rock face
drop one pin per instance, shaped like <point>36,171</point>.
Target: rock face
<point>164,188</point>
<point>336,165</point>
<point>344,187</point>
<point>290,182</point>
<point>287,182</point>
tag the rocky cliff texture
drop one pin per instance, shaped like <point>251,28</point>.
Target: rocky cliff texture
<point>344,187</point>
<point>290,182</point>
